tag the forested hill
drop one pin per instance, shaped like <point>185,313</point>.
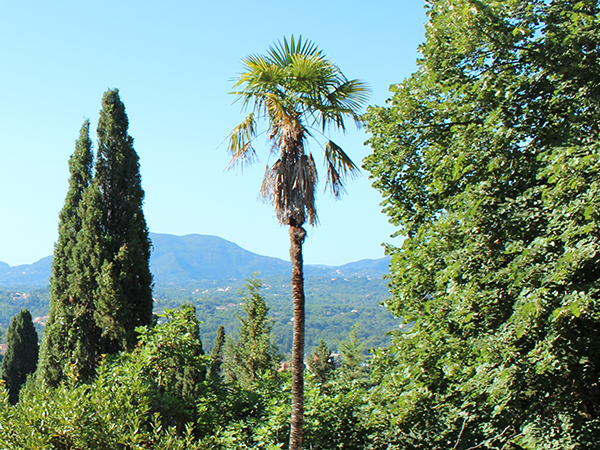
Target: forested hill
<point>186,259</point>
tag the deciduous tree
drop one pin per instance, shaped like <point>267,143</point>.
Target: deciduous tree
<point>488,158</point>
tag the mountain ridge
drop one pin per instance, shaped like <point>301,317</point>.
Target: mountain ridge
<point>196,257</point>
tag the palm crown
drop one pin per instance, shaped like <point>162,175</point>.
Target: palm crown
<point>296,89</point>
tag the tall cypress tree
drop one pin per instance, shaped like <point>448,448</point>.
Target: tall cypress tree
<point>101,287</point>
<point>216,355</point>
<point>21,354</point>
<point>70,332</point>
<point>124,296</point>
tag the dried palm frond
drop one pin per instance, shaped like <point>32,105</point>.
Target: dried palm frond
<point>339,167</point>
<point>290,186</point>
<point>240,147</point>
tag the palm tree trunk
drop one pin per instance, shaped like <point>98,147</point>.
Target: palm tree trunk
<point>297,235</point>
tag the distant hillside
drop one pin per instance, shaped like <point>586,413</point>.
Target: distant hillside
<point>187,259</point>
<point>34,275</point>
<point>195,257</point>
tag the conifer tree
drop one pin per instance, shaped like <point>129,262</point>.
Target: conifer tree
<point>21,355</point>
<point>70,333</point>
<point>216,354</point>
<point>252,355</point>
<point>322,363</point>
<point>101,287</point>
<point>351,355</point>
<point>122,250</point>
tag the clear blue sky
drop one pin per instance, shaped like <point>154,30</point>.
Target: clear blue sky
<point>174,63</point>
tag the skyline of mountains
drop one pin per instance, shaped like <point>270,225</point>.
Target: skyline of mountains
<point>194,257</point>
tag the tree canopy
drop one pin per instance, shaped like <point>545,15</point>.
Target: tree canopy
<point>296,89</point>
<point>488,159</point>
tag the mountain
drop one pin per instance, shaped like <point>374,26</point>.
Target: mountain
<point>185,259</point>
<point>195,257</point>
<point>34,275</point>
<point>365,267</point>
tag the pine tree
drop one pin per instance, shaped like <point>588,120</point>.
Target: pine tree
<point>322,363</point>
<point>122,250</point>
<point>21,355</point>
<point>351,355</point>
<point>252,355</point>
<point>68,345</point>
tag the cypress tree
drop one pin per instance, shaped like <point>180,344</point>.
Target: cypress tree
<point>216,355</point>
<point>122,251</point>
<point>21,354</point>
<point>101,287</point>
<point>68,345</point>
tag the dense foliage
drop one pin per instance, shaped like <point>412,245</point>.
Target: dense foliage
<point>159,396</point>
<point>488,158</point>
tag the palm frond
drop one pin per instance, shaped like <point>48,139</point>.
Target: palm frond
<point>343,101</point>
<point>339,168</point>
<point>240,144</point>
<point>281,53</point>
<point>295,87</point>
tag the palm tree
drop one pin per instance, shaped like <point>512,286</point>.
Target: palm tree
<point>298,92</point>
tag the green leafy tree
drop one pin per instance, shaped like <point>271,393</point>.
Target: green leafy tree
<point>488,158</point>
<point>21,355</point>
<point>70,334</point>
<point>122,244</point>
<point>294,87</point>
<point>139,399</point>
<point>170,359</point>
<point>252,356</point>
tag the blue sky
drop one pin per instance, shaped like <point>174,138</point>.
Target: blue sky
<point>174,63</point>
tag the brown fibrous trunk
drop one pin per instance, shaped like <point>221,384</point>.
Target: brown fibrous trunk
<point>297,235</point>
